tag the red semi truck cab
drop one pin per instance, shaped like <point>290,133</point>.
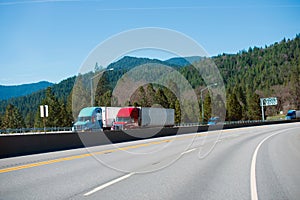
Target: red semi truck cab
<point>127,118</point>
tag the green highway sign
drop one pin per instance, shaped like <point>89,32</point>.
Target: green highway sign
<point>271,101</point>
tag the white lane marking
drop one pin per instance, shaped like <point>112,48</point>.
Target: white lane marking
<point>188,151</point>
<point>108,184</point>
<point>253,183</point>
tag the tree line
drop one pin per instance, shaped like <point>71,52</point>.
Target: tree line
<point>248,76</point>
<point>60,114</point>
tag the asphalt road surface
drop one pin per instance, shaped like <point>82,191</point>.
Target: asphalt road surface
<point>246,163</point>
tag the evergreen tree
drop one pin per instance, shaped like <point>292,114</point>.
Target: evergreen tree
<point>38,121</point>
<point>207,107</point>
<point>98,67</point>
<point>234,109</point>
<point>29,120</point>
<point>128,103</point>
<point>54,107</point>
<point>241,97</point>
<point>177,112</point>
<point>69,115</point>
<point>102,89</point>
<point>253,106</point>
<point>219,107</point>
<point>161,99</point>
<point>1,122</point>
<point>62,116</point>
<point>105,99</point>
<point>12,118</point>
<point>81,96</point>
<point>171,97</point>
<point>295,86</point>
<point>136,104</point>
<point>140,98</point>
<point>189,111</point>
<point>55,118</point>
<point>150,95</point>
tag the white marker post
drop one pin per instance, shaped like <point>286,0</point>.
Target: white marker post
<point>262,109</point>
<point>44,114</point>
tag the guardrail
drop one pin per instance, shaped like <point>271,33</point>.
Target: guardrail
<point>68,129</point>
<point>189,124</point>
<point>249,121</point>
<point>35,130</point>
<point>64,129</point>
<point>226,123</point>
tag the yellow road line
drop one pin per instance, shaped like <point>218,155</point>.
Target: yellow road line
<point>10,169</point>
<point>42,163</point>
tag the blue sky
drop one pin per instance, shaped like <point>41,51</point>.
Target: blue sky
<point>49,40</point>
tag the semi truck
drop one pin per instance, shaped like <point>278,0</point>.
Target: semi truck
<point>292,114</point>
<point>139,117</point>
<point>87,119</point>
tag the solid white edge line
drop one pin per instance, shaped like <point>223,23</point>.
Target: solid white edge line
<point>253,183</point>
<point>188,151</point>
<point>108,184</point>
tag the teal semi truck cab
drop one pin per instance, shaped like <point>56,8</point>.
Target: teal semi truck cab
<point>292,114</point>
<point>87,119</point>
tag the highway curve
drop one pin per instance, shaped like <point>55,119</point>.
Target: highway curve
<point>245,163</point>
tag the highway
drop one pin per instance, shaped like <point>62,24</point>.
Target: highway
<point>260,162</point>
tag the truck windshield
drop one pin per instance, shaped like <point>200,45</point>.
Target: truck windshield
<point>290,114</point>
<point>83,119</point>
<point>123,119</point>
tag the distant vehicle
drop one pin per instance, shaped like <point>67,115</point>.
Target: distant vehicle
<point>214,121</point>
<point>292,114</point>
<point>135,117</point>
<point>87,118</point>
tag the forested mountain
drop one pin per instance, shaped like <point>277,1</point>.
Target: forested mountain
<point>117,69</point>
<point>7,92</point>
<point>28,105</point>
<point>128,62</point>
<point>270,71</point>
<point>178,61</point>
<point>248,76</point>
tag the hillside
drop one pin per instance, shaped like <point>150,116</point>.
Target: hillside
<point>269,71</point>
<point>248,75</point>
<point>7,92</point>
<point>28,105</point>
<point>128,62</point>
<point>178,61</point>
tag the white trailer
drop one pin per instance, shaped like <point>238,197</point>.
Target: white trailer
<point>297,114</point>
<point>156,117</point>
<point>109,115</point>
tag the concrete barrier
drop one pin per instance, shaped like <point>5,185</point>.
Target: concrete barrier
<point>17,145</point>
